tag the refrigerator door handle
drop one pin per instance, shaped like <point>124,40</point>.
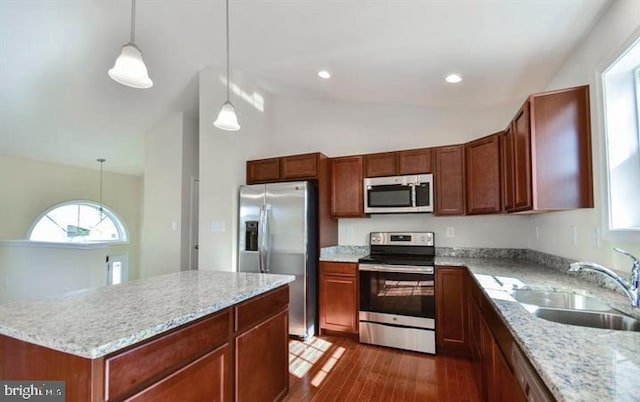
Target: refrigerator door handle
<point>266,240</point>
<point>261,239</point>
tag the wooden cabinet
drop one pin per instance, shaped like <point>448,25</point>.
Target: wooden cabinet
<point>449,180</point>
<point>411,161</point>
<point>242,349</point>
<point>347,187</point>
<point>261,367</point>
<point>414,161</point>
<point>452,335</point>
<point>550,152</point>
<point>311,166</point>
<point>507,170</point>
<point>299,166</point>
<point>263,170</point>
<point>339,297</point>
<point>482,164</point>
<point>383,164</point>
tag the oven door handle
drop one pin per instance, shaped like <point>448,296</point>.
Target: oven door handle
<point>404,269</point>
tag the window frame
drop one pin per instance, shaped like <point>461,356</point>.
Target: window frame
<point>608,232</point>
<point>118,222</point>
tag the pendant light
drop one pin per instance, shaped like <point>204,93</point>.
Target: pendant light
<point>227,119</point>
<point>129,68</point>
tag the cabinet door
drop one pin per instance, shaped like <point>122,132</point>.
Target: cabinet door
<point>452,334</point>
<point>487,347</point>
<point>208,378</point>
<point>414,161</point>
<point>299,166</point>
<point>507,387</point>
<point>482,163</point>
<point>347,187</point>
<point>263,170</point>
<point>383,164</point>
<point>449,180</point>
<point>262,361</point>
<point>338,297</point>
<point>507,169</point>
<point>522,160</point>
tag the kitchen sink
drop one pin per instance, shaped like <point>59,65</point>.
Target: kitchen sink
<point>562,300</point>
<point>594,319</point>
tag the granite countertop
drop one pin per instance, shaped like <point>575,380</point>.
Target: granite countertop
<point>343,253</point>
<point>577,363</point>
<point>93,322</point>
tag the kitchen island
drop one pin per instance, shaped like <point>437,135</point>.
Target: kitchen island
<point>171,337</point>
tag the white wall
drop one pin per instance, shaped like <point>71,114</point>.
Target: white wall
<point>222,164</point>
<point>584,66</point>
<point>190,165</point>
<point>162,214</point>
<point>29,187</point>
<point>33,271</point>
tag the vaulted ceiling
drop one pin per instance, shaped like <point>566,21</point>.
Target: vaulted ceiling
<point>58,104</point>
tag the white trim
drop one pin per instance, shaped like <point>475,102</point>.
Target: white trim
<point>82,246</point>
<point>613,235</point>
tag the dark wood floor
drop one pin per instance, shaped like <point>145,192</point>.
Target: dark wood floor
<point>337,369</point>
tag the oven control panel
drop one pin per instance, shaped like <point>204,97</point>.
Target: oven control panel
<point>401,239</point>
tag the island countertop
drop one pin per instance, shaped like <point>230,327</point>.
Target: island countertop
<point>578,364</point>
<point>91,323</point>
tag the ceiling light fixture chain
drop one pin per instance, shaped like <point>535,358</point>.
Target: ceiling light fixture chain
<point>102,161</point>
<point>227,119</point>
<point>133,22</point>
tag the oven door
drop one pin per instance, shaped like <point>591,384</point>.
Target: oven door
<point>399,295</point>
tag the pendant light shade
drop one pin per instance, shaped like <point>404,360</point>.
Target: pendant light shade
<point>129,68</point>
<point>227,119</point>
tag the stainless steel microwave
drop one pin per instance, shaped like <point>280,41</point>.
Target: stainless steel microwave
<point>398,194</point>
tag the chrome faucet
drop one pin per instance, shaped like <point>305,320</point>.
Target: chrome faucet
<point>631,288</point>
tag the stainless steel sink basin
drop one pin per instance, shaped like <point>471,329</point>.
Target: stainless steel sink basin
<point>604,320</point>
<point>563,300</point>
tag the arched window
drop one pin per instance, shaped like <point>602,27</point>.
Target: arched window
<point>78,222</point>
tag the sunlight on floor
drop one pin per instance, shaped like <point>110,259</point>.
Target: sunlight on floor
<point>303,355</point>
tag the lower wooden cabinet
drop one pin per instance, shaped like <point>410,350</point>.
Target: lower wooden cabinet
<point>339,297</point>
<point>261,367</point>
<point>452,335</point>
<point>208,375</point>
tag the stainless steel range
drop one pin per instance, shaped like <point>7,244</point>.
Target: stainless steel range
<point>397,291</point>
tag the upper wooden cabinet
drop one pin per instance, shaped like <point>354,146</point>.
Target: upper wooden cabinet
<point>347,198</point>
<point>263,170</point>
<point>299,166</point>
<point>482,163</point>
<point>550,153</point>
<point>506,158</point>
<point>412,161</point>
<point>449,180</point>
<point>383,164</point>
<point>293,167</point>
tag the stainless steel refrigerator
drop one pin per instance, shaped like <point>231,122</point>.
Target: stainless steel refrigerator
<point>278,235</point>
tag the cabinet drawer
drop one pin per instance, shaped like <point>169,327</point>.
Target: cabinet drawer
<point>127,370</point>
<point>260,308</point>
<point>204,379</point>
<point>338,268</point>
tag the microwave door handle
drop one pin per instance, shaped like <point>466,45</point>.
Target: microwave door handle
<point>414,199</point>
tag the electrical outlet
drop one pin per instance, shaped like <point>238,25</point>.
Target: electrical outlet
<point>450,232</point>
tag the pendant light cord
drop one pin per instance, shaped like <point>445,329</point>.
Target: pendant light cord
<point>101,160</point>
<point>227,7</point>
<point>133,21</point>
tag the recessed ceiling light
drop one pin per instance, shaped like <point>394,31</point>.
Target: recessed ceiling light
<point>453,78</point>
<point>324,74</point>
